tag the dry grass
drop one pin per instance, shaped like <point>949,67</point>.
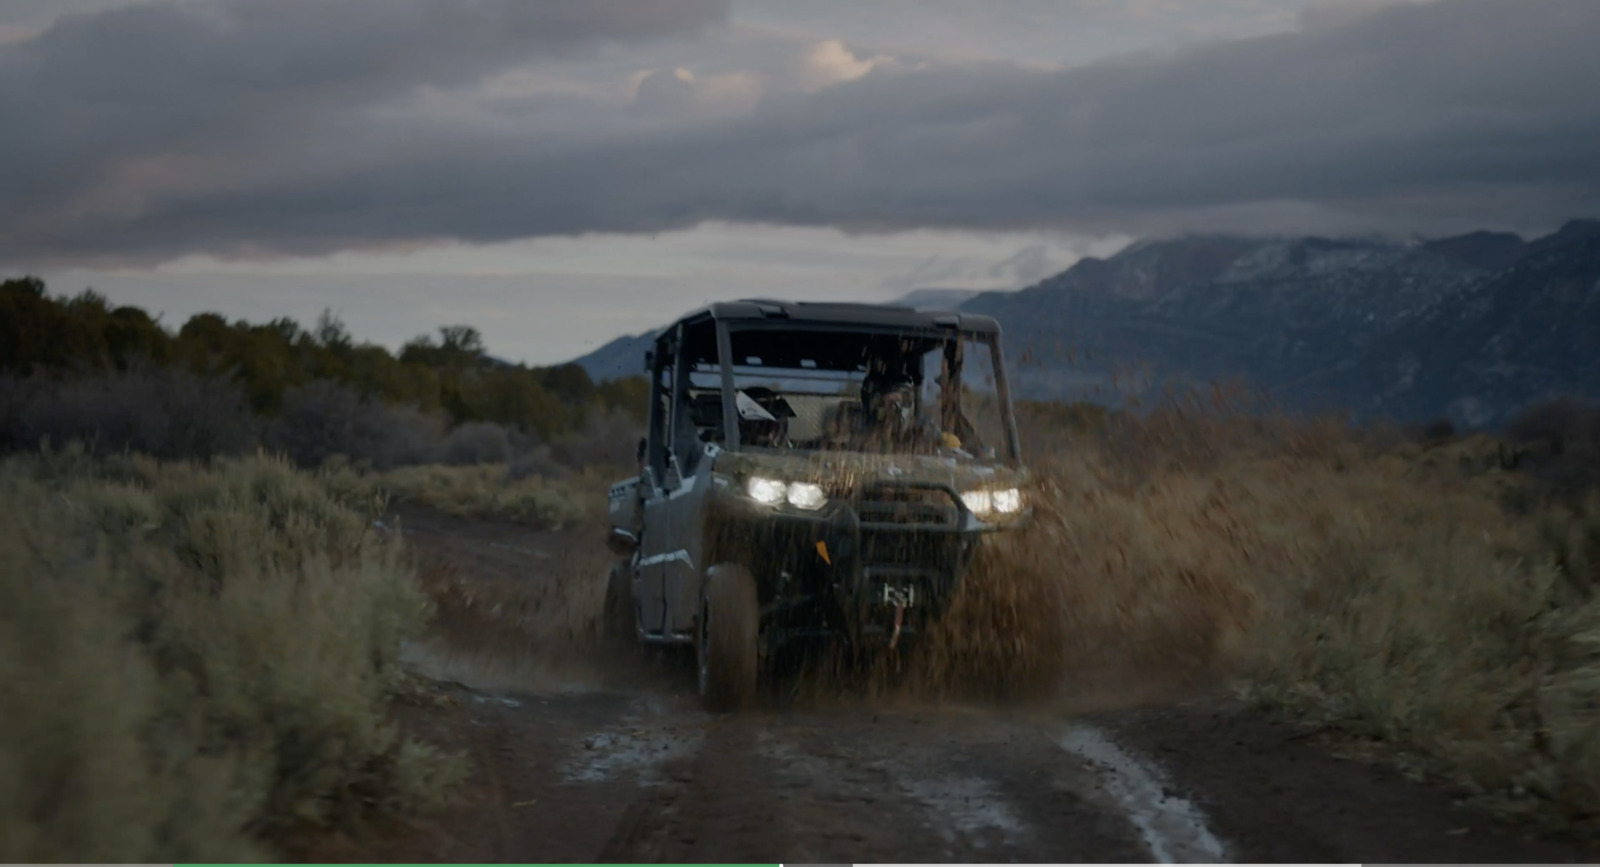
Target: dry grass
<point>492,624</point>
<point>1415,595</point>
<point>1416,611</point>
<point>489,610</point>
<point>489,491</point>
<point>503,631</point>
<point>193,659</point>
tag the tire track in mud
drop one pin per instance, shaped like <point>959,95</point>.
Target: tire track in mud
<point>972,786</point>
<point>1172,828</point>
<point>650,777</point>
<point>866,805</point>
<point>818,786</point>
<point>705,802</point>
<point>876,787</point>
<point>640,745</point>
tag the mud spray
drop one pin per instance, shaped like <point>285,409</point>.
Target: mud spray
<point>1113,595</point>
<point>1099,603</point>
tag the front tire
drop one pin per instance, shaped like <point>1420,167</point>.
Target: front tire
<point>727,638</point>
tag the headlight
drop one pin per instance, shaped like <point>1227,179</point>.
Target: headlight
<point>804,495</point>
<point>768,492</point>
<point>1008,501</point>
<point>988,503</point>
<point>979,502</point>
<point>771,492</point>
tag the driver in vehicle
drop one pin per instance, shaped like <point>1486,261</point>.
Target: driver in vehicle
<point>889,418</point>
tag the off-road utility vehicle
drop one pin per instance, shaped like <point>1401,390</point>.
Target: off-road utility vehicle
<point>812,473</point>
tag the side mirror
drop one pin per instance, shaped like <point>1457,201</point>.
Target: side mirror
<point>638,454</point>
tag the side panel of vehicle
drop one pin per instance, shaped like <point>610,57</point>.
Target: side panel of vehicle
<point>670,566</point>
<point>624,512</point>
<point>657,481</point>
<point>658,547</point>
<point>682,578</point>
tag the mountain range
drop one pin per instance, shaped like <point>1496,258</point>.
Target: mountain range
<point>1470,328</point>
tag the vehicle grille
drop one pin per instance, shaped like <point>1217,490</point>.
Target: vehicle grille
<point>909,506</point>
<point>904,534</point>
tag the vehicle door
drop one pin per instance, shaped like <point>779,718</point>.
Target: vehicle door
<point>691,460</point>
<point>685,511</point>
<point>657,544</point>
<point>674,515</point>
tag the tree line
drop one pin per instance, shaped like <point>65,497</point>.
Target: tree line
<point>450,373</point>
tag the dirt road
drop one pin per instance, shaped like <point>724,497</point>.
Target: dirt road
<point>579,759</point>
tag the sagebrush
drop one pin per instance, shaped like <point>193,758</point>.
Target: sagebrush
<point>195,658</point>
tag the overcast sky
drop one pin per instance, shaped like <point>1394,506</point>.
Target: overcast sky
<point>559,172</point>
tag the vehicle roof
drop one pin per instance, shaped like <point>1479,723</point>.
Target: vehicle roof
<point>840,313</point>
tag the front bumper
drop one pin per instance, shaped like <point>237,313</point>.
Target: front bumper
<point>874,568</point>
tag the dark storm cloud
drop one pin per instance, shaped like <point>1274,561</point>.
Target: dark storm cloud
<point>1417,116</point>
<point>123,96</point>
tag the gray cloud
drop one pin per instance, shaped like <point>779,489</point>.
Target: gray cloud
<point>1025,267</point>
<point>186,98</point>
<point>1469,112</point>
<point>1061,31</point>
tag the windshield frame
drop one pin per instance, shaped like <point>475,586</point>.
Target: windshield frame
<point>1011,453</point>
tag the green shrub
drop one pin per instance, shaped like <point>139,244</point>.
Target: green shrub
<point>192,658</point>
<point>489,491</point>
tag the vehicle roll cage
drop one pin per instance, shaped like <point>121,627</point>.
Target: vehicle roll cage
<point>707,336</point>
